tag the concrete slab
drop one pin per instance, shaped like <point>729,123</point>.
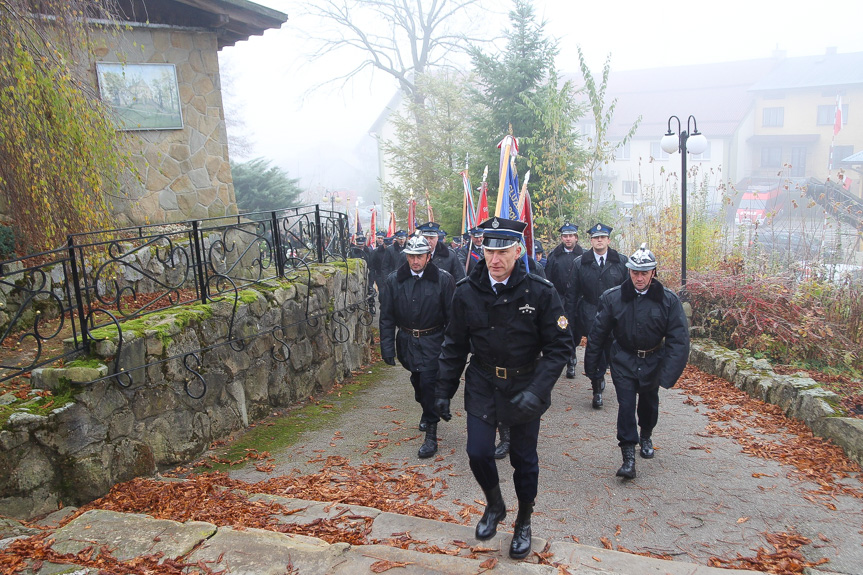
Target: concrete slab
<point>260,552</point>
<point>605,560</point>
<point>130,535</point>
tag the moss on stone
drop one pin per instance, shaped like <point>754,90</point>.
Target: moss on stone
<point>277,433</point>
<point>92,362</point>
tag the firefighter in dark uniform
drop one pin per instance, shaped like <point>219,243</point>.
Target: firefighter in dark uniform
<point>417,302</point>
<point>596,270</point>
<point>559,271</point>
<point>540,254</point>
<point>642,326</point>
<point>360,250</point>
<point>513,324</point>
<point>394,257</point>
<point>376,262</point>
<point>474,249</point>
<point>443,257</point>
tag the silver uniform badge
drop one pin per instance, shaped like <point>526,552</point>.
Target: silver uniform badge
<point>526,308</point>
<point>495,224</point>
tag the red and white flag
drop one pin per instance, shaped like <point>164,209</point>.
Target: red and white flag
<point>391,229</point>
<point>837,123</point>
<point>482,206</point>
<point>373,228</point>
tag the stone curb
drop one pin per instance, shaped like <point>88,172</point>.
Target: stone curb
<point>799,396</point>
<point>260,552</point>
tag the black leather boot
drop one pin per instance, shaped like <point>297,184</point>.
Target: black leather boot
<point>502,448</point>
<point>519,548</point>
<point>429,446</point>
<point>598,387</point>
<point>495,512</point>
<point>570,369</point>
<point>423,426</point>
<point>647,451</point>
<point>627,470</point>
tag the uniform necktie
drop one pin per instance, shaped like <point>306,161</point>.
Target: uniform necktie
<point>601,261</point>
<point>498,286</point>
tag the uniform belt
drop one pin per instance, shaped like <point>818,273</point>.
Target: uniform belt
<point>422,332</point>
<point>506,372</point>
<point>642,353</point>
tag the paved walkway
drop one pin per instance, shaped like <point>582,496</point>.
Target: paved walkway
<point>699,497</point>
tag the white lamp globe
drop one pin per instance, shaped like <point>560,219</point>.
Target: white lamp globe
<point>696,144</point>
<point>669,143</point>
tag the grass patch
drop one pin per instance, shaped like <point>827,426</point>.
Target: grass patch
<point>278,432</point>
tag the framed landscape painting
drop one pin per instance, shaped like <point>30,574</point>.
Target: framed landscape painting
<point>143,96</point>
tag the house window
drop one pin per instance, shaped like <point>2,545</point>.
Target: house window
<point>623,151</point>
<point>841,152</point>
<point>656,152</point>
<point>630,187</point>
<point>827,114</point>
<point>771,157</point>
<point>587,131</point>
<point>798,161</point>
<point>705,155</point>
<point>773,117</point>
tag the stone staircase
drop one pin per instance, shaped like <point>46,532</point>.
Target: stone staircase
<point>429,546</point>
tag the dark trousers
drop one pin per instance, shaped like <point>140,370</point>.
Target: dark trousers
<point>522,456</point>
<point>637,407</point>
<point>424,383</point>
<point>601,367</point>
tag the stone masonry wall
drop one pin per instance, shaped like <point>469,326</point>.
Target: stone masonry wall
<point>110,434</point>
<point>185,174</point>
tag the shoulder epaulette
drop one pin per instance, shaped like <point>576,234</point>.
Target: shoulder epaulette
<point>540,279</point>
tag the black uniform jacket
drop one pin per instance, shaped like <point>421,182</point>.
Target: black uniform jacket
<point>410,304</point>
<point>445,259</point>
<point>376,261</point>
<point>474,256</point>
<point>587,284</point>
<point>393,259</point>
<point>559,268</point>
<point>507,330</point>
<point>628,322</point>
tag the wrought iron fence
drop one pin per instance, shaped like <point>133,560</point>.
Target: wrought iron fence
<point>109,277</point>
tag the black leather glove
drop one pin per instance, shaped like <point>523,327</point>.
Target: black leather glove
<point>390,360</point>
<point>527,402</point>
<point>441,407</point>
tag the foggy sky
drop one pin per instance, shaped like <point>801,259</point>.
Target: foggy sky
<point>322,137</point>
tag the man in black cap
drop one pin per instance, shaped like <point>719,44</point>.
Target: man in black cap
<point>473,252</point>
<point>596,270</point>
<point>444,258</point>
<point>559,272</point>
<point>417,301</point>
<point>376,262</point>
<point>513,324</point>
<point>394,257</point>
<point>540,254</point>
<point>643,327</point>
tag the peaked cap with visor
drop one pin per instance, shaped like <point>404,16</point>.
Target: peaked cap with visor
<point>501,233</point>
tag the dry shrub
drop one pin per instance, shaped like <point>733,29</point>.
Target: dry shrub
<point>789,321</point>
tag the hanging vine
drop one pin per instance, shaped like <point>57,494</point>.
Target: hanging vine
<point>61,158</point>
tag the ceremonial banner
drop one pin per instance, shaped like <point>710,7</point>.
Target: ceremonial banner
<point>468,212</point>
<point>507,193</point>
<point>482,207</point>
<point>373,228</point>
<point>391,229</point>
<point>412,216</point>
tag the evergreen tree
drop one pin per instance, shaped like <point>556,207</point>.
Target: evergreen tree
<point>518,90</point>
<point>260,187</point>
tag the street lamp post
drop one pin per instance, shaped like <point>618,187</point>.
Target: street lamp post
<point>689,140</point>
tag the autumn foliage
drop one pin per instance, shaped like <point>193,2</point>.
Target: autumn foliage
<point>60,155</point>
<point>786,320</point>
